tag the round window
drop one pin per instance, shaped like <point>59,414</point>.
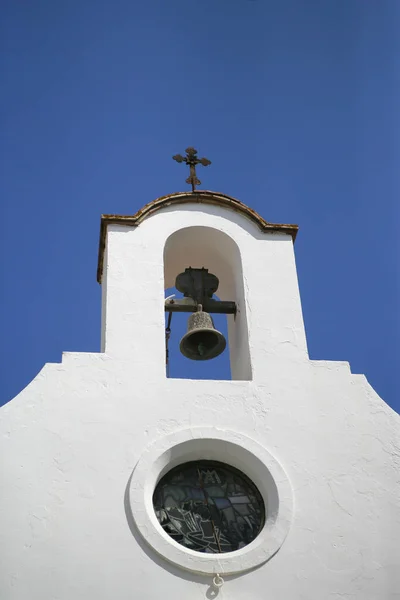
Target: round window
<point>209,507</point>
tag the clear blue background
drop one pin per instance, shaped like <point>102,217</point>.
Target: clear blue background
<point>296,102</point>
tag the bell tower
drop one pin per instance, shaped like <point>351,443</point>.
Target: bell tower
<point>120,481</point>
<point>197,240</point>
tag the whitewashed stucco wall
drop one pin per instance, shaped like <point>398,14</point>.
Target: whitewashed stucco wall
<point>71,439</point>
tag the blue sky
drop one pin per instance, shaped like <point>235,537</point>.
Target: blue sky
<point>294,101</point>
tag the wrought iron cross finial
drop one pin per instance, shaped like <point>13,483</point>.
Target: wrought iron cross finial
<point>192,160</point>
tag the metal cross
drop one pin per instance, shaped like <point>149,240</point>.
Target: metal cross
<point>192,160</point>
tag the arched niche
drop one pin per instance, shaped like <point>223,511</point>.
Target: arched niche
<point>207,247</point>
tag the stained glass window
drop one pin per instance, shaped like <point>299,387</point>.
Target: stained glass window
<point>209,507</point>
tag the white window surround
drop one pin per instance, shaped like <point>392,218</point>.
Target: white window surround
<point>232,448</point>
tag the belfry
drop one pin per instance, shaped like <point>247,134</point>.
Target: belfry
<point>122,482</point>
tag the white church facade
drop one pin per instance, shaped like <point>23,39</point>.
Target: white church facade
<point>120,482</point>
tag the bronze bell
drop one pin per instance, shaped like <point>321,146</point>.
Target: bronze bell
<point>202,341</point>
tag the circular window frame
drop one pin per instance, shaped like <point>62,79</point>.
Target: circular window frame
<point>231,448</point>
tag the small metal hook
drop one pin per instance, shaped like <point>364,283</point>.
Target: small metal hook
<point>218,581</point>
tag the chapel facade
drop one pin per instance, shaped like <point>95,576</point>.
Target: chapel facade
<point>121,482</point>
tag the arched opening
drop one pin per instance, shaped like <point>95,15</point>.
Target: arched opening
<point>209,248</point>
